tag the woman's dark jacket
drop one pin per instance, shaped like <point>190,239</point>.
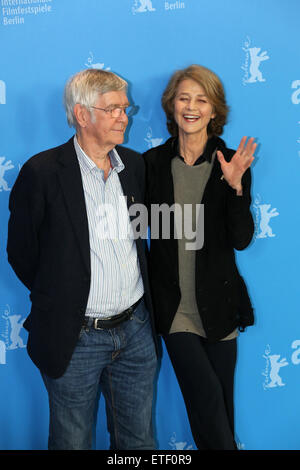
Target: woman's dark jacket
<point>221,294</point>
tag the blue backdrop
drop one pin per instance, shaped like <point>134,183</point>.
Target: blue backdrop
<point>254,47</point>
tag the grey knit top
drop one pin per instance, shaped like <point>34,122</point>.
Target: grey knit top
<point>189,185</point>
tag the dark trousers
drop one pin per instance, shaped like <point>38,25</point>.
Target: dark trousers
<point>205,373</point>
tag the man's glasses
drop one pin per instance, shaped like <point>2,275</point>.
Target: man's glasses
<point>116,111</point>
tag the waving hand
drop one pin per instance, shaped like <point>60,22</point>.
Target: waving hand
<point>240,162</point>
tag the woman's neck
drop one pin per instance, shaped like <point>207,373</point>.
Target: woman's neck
<point>191,147</point>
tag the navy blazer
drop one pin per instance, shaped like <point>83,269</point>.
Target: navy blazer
<point>48,248</point>
<point>221,294</point>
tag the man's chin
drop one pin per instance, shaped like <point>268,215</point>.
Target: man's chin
<point>120,139</point>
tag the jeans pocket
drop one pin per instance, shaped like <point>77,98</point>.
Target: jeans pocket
<point>82,334</point>
<point>140,315</point>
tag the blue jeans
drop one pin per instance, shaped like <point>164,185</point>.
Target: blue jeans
<point>122,361</point>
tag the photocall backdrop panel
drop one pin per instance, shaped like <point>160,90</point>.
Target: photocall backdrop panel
<point>254,48</point>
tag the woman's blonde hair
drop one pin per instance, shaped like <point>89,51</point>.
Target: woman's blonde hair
<point>213,89</point>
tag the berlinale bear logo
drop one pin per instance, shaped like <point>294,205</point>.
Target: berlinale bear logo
<point>141,6</point>
<point>252,63</point>
<point>274,362</point>
<point>3,169</point>
<point>91,64</point>
<point>10,333</point>
<point>264,214</point>
<point>2,92</point>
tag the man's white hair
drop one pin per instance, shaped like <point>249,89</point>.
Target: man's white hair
<point>85,87</point>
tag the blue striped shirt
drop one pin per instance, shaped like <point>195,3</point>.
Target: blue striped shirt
<point>116,281</point>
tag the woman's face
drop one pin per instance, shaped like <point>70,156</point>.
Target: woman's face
<point>192,110</point>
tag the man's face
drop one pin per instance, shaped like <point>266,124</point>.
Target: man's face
<point>103,129</point>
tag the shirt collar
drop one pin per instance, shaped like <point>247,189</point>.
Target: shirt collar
<point>87,165</point>
<point>116,161</point>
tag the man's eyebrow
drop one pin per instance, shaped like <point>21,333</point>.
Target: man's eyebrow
<point>115,105</point>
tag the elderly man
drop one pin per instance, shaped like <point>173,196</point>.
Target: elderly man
<point>90,324</point>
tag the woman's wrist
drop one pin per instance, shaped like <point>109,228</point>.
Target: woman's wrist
<point>237,186</point>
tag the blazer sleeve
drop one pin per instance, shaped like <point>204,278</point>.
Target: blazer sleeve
<point>240,225</point>
<point>26,205</point>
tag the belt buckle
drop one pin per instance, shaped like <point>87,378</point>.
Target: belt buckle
<point>96,324</point>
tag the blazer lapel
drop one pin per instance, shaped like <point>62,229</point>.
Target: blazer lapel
<point>72,188</point>
<point>125,180</point>
<point>128,182</point>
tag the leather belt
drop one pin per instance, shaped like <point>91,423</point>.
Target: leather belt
<point>110,322</point>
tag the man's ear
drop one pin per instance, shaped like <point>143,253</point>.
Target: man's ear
<point>82,115</point>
